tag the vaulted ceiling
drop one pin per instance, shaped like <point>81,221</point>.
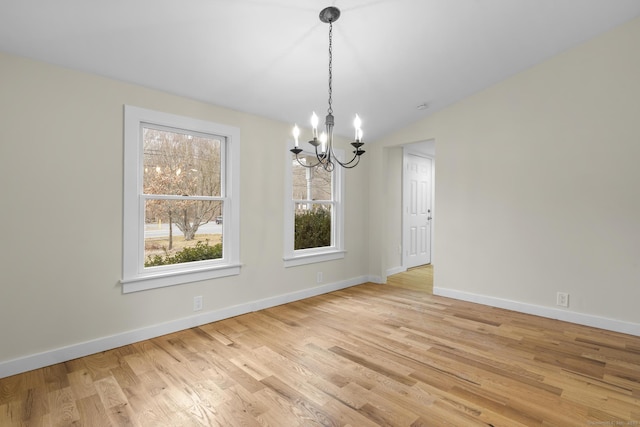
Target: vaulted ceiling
<point>270,57</point>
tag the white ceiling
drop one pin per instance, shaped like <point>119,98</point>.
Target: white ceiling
<point>269,57</point>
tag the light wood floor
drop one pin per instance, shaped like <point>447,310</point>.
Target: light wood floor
<point>419,279</point>
<point>370,355</point>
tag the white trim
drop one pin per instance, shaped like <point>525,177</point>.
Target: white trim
<point>396,270</point>
<point>134,276</point>
<point>376,279</point>
<point>314,257</point>
<point>63,354</point>
<point>171,278</point>
<point>548,312</point>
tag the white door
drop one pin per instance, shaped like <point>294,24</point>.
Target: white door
<point>417,204</point>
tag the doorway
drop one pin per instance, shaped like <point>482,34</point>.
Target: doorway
<point>417,206</point>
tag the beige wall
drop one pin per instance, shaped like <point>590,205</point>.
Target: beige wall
<point>393,226</point>
<point>538,184</point>
<point>61,155</point>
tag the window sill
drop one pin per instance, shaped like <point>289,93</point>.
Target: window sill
<point>312,258</point>
<point>171,278</point>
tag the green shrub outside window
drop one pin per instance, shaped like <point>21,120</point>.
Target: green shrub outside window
<point>312,229</point>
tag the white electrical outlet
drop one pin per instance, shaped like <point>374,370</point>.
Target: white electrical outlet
<point>197,303</point>
<point>562,299</point>
<point>319,277</point>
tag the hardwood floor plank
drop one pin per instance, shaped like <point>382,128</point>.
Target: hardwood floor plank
<point>110,392</point>
<point>11,413</point>
<point>35,404</point>
<point>121,415</point>
<point>92,412</point>
<point>350,395</point>
<point>55,377</point>
<point>347,415</point>
<point>64,411</point>
<point>125,376</point>
<point>280,409</point>
<point>81,384</point>
<point>146,409</point>
<point>389,355</point>
<point>11,387</point>
<point>387,415</point>
<point>306,409</point>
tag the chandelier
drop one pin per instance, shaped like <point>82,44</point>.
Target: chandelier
<point>323,143</point>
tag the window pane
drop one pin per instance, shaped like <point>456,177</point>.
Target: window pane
<point>310,183</point>
<point>181,164</point>
<point>178,231</point>
<point>312,225</point>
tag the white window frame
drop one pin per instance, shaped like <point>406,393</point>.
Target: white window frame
<point>294,257</point>
<point>135,277</point>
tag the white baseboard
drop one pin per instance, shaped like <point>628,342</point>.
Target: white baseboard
<point>548,312</point>
<point>63,354</point>
<point>396,270</point>
<point>376,279</point>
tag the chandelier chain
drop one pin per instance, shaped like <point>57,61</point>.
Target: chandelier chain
<point>323,144</point>
<point>330,110</point>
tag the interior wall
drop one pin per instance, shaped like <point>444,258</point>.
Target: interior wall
<point>393,225</point>
<point>61,166</point>
<point>537,185</point>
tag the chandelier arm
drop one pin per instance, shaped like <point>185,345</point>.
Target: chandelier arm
<point>306,166</point>
<point>349,165</point>
<point>345,164</point>
<point>353,165</point>
<point>296,151</point>
<point>323,159</point>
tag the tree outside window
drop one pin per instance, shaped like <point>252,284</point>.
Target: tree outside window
<point>182,187</point>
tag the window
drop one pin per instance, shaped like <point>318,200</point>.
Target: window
<point>181,212</point>
<point>313,212</point>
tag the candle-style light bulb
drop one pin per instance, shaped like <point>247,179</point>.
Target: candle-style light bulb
<point>356,124</point>
<point>314,124</point>
<point>296,134</point>
<point>323,142</point>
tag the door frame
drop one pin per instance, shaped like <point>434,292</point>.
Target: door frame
<point>407,150</point>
